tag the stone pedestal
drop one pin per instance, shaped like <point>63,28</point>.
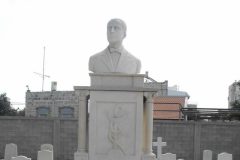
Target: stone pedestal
<point>121,120</point>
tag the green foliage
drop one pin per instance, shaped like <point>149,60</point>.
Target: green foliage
<point>21,112</point>
<point>236,104</point>
<point>5,106</point>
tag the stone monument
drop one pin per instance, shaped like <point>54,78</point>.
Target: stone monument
<point>120,107</point>
<point>159,144</point>
<point>10,151</point>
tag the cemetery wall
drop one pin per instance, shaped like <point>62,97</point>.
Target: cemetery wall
<point>189,139</point>
<point>30,133</point>
<point>186,139</point>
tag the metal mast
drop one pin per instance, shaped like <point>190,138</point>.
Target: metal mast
<point>43,73</point>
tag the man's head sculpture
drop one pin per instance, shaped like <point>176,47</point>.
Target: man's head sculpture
<point>116,31</point>
<point>115,58</point>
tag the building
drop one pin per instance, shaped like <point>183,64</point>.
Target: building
<point>170,106</point>
<point>51,103</point>
<point>167,103</point>
<point>234,94</point>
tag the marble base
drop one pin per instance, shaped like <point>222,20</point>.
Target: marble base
<point>150,156</point>
<point>80,156</point>
<point>116,121</point>
<point>115,130</point>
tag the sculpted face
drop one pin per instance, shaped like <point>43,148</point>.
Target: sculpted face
<point>115,32</point>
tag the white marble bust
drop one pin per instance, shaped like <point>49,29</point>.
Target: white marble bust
<point>115,58</point>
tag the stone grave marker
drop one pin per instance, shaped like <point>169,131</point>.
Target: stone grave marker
<point>168,156</point>
<point>20,158</point>
<point>10,151</point>
<point>45,155</point>
<point>159,145</point>
<point>224,156</point>
<point>48,147</point>
<point>207,155</point>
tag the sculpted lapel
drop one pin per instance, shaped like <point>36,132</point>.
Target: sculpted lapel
<point>107,60</point>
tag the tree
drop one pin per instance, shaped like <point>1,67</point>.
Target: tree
<point>236,104</point>
<point>21,112</point>
<point>5,106</point>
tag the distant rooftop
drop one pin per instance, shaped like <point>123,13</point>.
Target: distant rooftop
<point>178,93</point>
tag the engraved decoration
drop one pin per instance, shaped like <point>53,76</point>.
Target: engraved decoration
<point>118,134</point>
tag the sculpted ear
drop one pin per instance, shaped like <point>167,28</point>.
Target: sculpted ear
<point>125,34</point>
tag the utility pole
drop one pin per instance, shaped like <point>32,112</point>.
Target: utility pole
<point>43,73</point>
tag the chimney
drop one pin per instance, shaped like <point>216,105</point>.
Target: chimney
<point>54,86</point>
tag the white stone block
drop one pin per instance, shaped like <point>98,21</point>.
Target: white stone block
<point>20,158</point>
<point>45,155</point>
<point>116,80</point>
<point>224,156</point>
<point>115,125</point>
<point>159,144</point>
<point>168,156</point>
<point>207,155</point>
<point>10,151</point>
<point>47,147</point>
<point>80,156</point>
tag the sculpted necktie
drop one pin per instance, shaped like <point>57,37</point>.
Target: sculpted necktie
<point>115,56</point>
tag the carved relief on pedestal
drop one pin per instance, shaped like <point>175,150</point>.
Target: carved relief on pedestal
<point>117,134</point>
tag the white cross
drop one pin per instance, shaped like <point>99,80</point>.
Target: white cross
<point>159,145</point>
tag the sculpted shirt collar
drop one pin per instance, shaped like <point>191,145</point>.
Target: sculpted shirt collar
<point>115,50</point>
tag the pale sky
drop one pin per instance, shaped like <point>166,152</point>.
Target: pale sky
<point>191,43</point>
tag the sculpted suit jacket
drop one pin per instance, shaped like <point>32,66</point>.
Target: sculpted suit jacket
<point>102,63</point>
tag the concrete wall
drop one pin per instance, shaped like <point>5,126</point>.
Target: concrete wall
<point>189,139</point>
<point>30,133</point>
<point>186,139</point>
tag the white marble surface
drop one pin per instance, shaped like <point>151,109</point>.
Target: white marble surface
<point>10,151</point>
<point>224,156</point>
<point>120,119</point>
<point>115,125</point>
<point>159,144</point>
<point>117,80</point>
<point>45,155</point>
<point>168,156</point>
<point>81,155</point>
<point>47,147</point>
<point>115,58</point>
<point>207,155</point>
<point>20,158</point>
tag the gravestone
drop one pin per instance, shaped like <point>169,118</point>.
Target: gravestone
<point>168,156</point>
<point>20,158</point>
<point>45,155</point>
<point>224,156</point>
<point>10,151</point>
<point>47,147</point>
<point>159,145</point>
<point>207,155</point>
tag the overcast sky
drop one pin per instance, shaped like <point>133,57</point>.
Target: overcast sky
<point>192,44</point>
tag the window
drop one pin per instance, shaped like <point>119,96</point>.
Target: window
<point>43,112</point>
<point>66,112</point>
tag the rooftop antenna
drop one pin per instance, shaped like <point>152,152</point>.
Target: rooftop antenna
<point>43,73</point>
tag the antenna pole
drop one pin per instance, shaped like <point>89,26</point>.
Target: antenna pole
<point>43,75</point>
<point>43,71</point>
